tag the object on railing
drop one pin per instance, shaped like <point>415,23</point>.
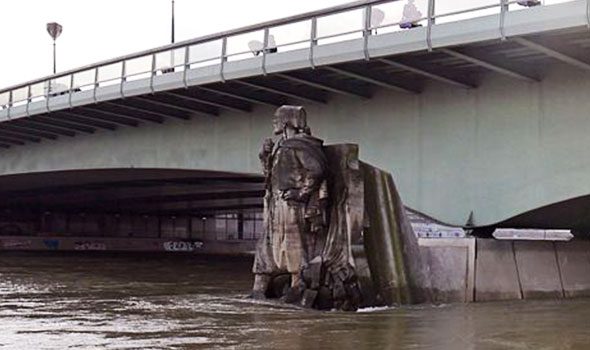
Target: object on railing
<point>529,3</point>
<point>55,89</point>
<point>377,18</point>
<point>257,47</point>
<point>410,16</point>
<point>212,49</point>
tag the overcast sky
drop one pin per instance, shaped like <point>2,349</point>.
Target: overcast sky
<point>100,29</point>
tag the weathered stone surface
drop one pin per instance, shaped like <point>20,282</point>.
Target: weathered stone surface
<point>448,270</point>
<point>496,276</point>
<point>574,264</point>
<point>451,264</point>
<point>308,298</point>
<point>538,271</point>
<point>313,213</point>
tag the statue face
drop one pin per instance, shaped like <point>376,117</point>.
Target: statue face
<point>277,125</point>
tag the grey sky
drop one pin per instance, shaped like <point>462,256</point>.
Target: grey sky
<point>99,29</point>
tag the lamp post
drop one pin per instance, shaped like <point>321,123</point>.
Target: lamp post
<point>171,68</point>
<point>173,27</point>
<point>54,29</point>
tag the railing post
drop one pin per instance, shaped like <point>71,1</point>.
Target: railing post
<point>123,77</point>
<point>367,30</point>
<point>313,41</point>
<point>186,65</point>
<point>588,12</point>
<point>95,83</point>
<point>430,23</point>
<point>48,95</point>
<point>9,104</point>
<point>29,97</point>
<point>503,10</point>
<point>265,49</point>
<point>71,90</point>
<point>153,71</point>
<point>223,58</point>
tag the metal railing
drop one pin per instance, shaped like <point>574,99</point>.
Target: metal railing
<point>217,49</point>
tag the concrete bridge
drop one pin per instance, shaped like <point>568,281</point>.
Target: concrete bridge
<point>480,111</point>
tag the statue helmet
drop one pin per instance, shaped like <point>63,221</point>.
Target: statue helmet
<point>292,116</point>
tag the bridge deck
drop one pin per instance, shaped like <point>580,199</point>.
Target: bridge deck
<point>456,53</point>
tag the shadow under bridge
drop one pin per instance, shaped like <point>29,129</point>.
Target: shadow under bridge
<point>131,210</point>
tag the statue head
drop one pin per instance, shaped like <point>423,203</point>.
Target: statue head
<point>293,117</point>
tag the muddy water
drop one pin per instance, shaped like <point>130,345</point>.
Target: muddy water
<point>154,302</point>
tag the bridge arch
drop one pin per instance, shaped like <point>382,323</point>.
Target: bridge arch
<point>169,208</point>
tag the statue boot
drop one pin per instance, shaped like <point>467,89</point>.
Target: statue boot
<point>261,283</point>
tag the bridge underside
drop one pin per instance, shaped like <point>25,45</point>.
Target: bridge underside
<point>478,125</point>
<point>144,203</point>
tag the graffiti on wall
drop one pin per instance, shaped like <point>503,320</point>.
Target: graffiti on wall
<point>182,246</point>
<point>51,244</point>
<point>89,245</point>
<point>16,244</point>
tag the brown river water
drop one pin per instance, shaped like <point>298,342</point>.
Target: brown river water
<point>76,301</point>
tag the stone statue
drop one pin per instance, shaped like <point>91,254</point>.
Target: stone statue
<point>296,259</point>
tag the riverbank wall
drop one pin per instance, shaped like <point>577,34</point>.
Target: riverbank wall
<point>127,244</point>
<point>409,269</point>
<point>469,269</point>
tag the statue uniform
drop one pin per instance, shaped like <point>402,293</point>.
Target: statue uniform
<point>297,164</point>
<point>300,238</point>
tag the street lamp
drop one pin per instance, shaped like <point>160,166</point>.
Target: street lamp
<point>54,29</point>
<point>173,22</point>
<point>171,68</point>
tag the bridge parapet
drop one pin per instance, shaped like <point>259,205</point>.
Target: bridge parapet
<point>309,31</point>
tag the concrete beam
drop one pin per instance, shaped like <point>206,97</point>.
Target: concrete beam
<point>28,124</point>
<point>134,192</point>
<point>71,117</point>
<point>553,53</point>
<point>18,136</point>
<point>55,124</point>
<point>10,141</point>
<point>426,74</point>
<point>142,110</point>
<point>488,65</point>
<point>85,113</point>
<point>370,80</point>
<point>173,106</point>
<point>207,102</point>
<point>131,202</point>
<point>282,91</point>
<point>320,85</point>
<point>143,118</point>
<point>27,131</point>
<point>241,97</point>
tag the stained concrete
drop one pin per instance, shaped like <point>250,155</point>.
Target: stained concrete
<point>448,273</point>
<point>496,276</point>
<point>499,150</point>
<point>574,264</point>
<point>538,270</point>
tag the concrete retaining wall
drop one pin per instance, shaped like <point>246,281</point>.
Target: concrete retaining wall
<point>113,244</point>
<point>451,270</point>
<point>465,269</point>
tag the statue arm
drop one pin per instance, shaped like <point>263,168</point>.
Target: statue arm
<point>313,177</point>
<point>265,154</point>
